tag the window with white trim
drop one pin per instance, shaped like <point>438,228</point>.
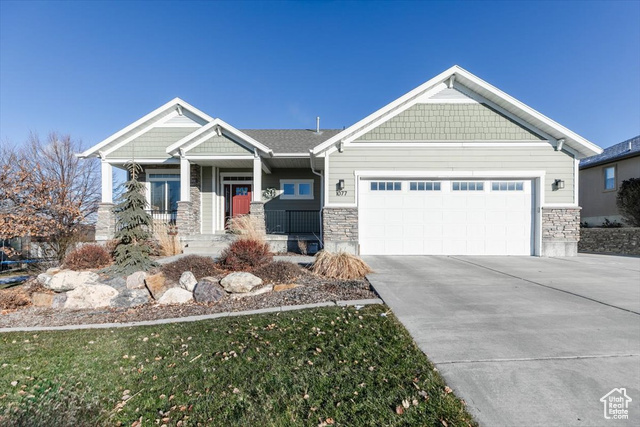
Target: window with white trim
<point>424,186</point>
<point>507,186</point>
<point>386,186</point>
<point>300,189</point>
<point>610,178</point>
<point>164,191</point>
<point>467,186</point>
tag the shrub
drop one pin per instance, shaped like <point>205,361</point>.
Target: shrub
<point>278,272</point>
<point>14,298</point>
<point>167,240</point>
<point>87,256</point>
<point>245,255</point>
<point>247,227</point>
<point>200,266</point>
<point>610,224</point>
<point>340,265</point>
<point>628,201</point>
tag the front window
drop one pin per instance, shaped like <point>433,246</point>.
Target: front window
<point>296,189</point>
<point>610,178</point>
<point>164,191</point>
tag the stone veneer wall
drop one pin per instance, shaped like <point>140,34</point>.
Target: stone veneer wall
<point>624,241</point>
<point>340,229</point>
<point>560,231</point>
<point>188,218</point>
<point>256,210</point>
<point>105,223</point>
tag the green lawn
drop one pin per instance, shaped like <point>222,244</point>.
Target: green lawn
<point>326,366</point>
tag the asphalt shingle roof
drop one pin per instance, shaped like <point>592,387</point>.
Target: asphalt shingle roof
<point>291,140</point>
<point>628,148</point>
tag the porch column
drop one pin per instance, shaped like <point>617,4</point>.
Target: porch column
<point>184,220</point>
<point>257,179</point>
<point>257,207</point>
<point>106,221</point>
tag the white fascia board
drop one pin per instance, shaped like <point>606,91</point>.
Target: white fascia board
<point>239,134</point>
<point>519,108</point>
<point>143,161</point>
<point>205,157</point>
<point>296,155</point>
<point>174,147</point>
<point>171,104</point>
<point>449,174</point>
<point>386,109</point>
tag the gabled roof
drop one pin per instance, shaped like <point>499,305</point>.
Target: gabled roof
<point>465,80</point>
<point>623,150</point>
<point>290,141</point>
<point>144,122</point>
<point>204,132</point>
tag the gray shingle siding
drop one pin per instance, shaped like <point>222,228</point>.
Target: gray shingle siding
<point>449,122</point>
<point>219,146</point>
<point>152,144</point>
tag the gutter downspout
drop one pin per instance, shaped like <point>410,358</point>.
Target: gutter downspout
<point>321,175</point>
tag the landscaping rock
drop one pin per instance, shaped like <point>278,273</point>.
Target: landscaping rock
<point>176,296</point>
<point>117,283</point>
<point>208,291</point>
<point>67,280</point>
<point>40,299</point>
<point>188,281</point>
<point>280,288</point>
<point>157,285</point>
<point>44,279</point>
<point>136,280</point>
<point>131,298</point>
<point>254,293</point>
<point>59,300</point>
<point>90,296</point>
<point>53,271</point>
<point>240,282</point>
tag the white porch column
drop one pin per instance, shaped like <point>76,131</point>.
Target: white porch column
<point>185,179</point>
<point>257,179</point>
<point>107,182</point>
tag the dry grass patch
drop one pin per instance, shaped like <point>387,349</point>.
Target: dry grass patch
<point>340,265</point>
<point>168,241</point>
<point>247,227</point>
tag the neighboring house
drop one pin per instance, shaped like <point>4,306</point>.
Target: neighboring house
<point>455,166</point>
<point>601,177</point>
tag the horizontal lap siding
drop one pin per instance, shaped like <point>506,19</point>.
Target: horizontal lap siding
<point>558,165</point>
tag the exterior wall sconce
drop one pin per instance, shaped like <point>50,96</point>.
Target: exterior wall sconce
<point>341,184</point>
<point>341,147</point>
<point>559,184</point>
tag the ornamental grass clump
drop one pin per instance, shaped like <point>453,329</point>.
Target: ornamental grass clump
<point>247,227</point>
<point>245,255</point>
<point>340,265</point>
<point>166,238</point>
<point>88,256</point>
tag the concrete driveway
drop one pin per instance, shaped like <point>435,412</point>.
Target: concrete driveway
<point>525,341</point>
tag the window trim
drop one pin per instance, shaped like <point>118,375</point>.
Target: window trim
<point>604,178</point>
<point>296,189</point>
<point>467,182</point>
<point>434,184</point>
<point>507,190</point>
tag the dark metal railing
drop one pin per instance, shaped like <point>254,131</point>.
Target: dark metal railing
<point>167,217</point>
<point>290,222</point>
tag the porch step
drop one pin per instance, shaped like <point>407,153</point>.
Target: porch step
<point>206,244</point>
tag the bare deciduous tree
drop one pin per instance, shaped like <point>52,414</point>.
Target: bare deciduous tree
<point>46,191</point>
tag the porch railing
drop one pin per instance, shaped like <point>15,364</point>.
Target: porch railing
<point>168,217</point>
<point>290,222</point>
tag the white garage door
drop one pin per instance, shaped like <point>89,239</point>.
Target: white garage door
<point>446,217</point>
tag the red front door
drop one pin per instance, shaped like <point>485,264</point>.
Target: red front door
<point>240,199</point>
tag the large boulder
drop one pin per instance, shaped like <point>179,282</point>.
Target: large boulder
<point>90,296</point>
<point>157,285</point>
<point>257,291</point>
<point>208,291</point>
<point>188,281</point>
<point>240,282</point>
<point>176,296</point>
<point>117,283</point>
<point>131,298</point>
<point>136,280</point>
<point>67,280</point>
<point>59,300</point>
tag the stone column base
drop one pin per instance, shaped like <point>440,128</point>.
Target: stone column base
<point>340,230</point>
<point>105,223</point>
<point>560,231</point>
<point>185,220</point>
<point>256,210</point>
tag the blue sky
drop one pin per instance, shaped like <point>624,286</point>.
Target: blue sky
<point>91,68</point>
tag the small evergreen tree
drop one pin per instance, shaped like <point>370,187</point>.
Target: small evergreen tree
<point>133,226</point>
<point>628,201</point>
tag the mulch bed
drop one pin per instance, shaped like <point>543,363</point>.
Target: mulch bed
<point>314,289</point>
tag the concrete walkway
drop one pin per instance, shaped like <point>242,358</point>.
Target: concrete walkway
<point>525,341</point>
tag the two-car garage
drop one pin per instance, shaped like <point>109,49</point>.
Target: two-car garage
<point>457,216</point>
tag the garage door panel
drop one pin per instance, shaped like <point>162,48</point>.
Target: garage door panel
<point>490,221</point>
